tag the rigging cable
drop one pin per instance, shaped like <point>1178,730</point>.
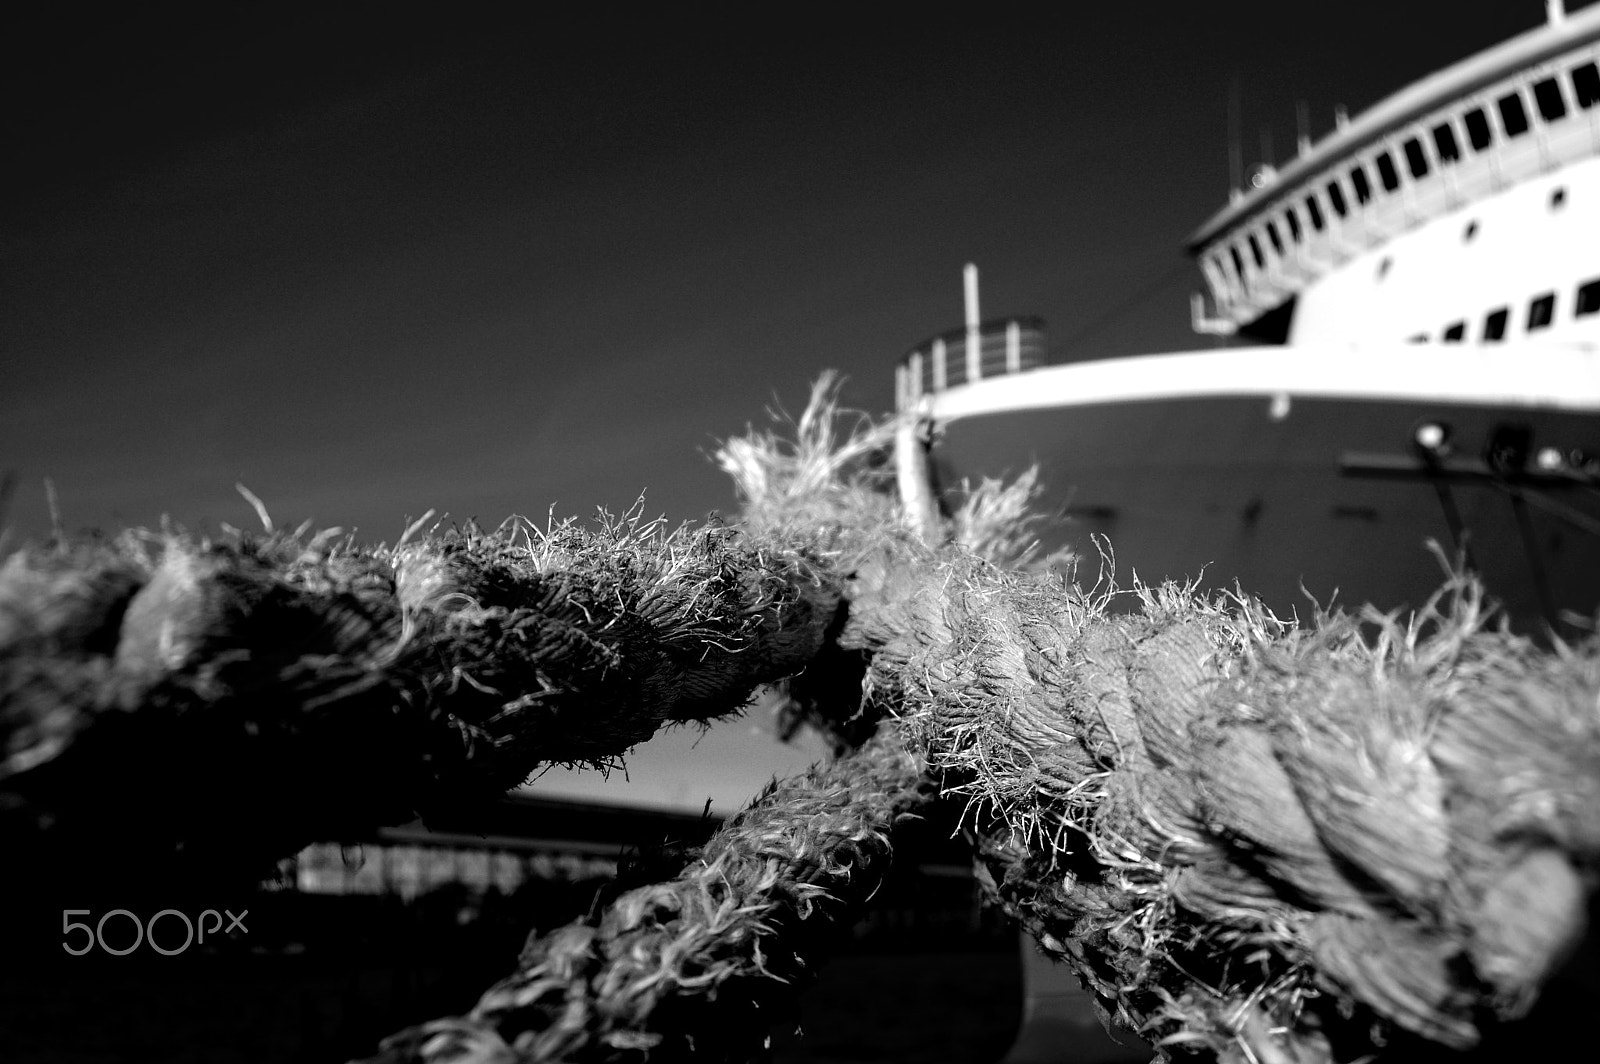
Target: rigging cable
<point>1142,295</point>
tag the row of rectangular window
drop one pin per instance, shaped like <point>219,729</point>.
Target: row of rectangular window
<point>1548,99</point>
<point>1541,315</point>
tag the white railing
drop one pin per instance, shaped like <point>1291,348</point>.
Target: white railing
<point>1523,375</point>
<point>1450,182</point>
<point>953,359</point>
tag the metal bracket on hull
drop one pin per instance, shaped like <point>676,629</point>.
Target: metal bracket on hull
<point>1520,484</point>
<point>1478,471</point>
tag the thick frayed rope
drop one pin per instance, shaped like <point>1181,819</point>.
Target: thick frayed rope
<point>235,700</point>
<point>1250,839</point>
<point>1253,842</point>
<point>1219,820</point>
<point>704,967</point>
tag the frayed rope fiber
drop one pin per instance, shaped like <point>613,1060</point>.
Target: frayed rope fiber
<point>231,701</point>
<point>706,966</point>
<point>1248,838</point>
<point>1253,841</point>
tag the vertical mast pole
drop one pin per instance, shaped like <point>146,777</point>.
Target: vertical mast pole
<point>974,353</point>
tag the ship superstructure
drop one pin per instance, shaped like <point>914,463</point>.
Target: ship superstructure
<point>1454,211</point>
<point>1412,307</point>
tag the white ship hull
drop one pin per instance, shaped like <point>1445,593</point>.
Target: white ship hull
<point>1289,496</point>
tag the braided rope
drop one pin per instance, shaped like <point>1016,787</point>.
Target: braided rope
<point>1252,841</point>
<point>232,701</point>
<point>705,966</point>
<point>1249,838</point>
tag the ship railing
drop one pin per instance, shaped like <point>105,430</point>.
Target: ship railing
<point>952,359</point>
<point>1535,121</point>
<point>1526,375</point>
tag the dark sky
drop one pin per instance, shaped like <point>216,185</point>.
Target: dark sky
<point>386,259</point>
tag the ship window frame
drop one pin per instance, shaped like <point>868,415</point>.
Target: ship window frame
<point>1314,211</point>
<point>1495,323</point>
<point>1388,172</point>
<point>1585,79</point>
<point>1274,238</point>
<point>1336,199</point>
<point>1549,100</point>
<point>1454,333</point>
<point>1513,112</point>
<point>1290,219</point>
<point>1238,261</point>
<point>1416,157</point>
<point>1480,131</point>
<point>1360,184</point>
<point>1541,312</point>
<point>1255,251</point>
<point>1446,146</point>
<point>1586,300</point>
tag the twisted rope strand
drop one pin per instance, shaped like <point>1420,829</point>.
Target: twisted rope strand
<point>1253,842</point>
<point>706,966</point>
<point>159,702</point>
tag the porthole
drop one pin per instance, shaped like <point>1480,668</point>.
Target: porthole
<point>1314,212</point>
<point>1416,158</point>
<point>1547,98</point>
<point>1588,300</point>
<point>1444,141</point>
<point>1541,311</point>
<point>1469,232</point>
<point>1586,85</point>
<point>1513,116</point>
<point>1359,182</point>
<point>1388,176</point>
<point>1336,199</point>
<point>1479,134</point>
